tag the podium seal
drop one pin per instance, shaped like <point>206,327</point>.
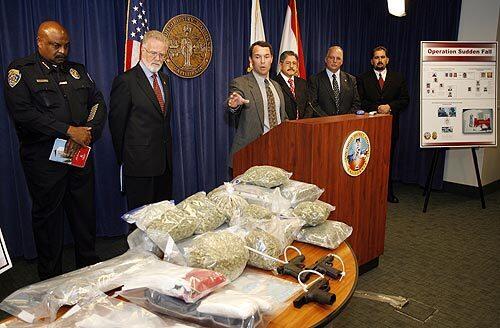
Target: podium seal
<point>189,46</point>
<point>356,153</point>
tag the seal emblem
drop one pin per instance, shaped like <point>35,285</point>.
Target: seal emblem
<point>189,46</point>
<point>356,153</point>
<point>13,77</point>
<point>74,73</point>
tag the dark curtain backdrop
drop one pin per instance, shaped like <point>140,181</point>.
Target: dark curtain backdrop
<point>202,129</point>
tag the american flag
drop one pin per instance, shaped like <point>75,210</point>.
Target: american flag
<point>137,25</point>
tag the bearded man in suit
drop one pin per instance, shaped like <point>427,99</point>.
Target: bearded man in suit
<point>139,121</point>
<point>384,91</point>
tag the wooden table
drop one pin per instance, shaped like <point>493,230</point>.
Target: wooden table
<point>318,315</point>
<point>312,314</point>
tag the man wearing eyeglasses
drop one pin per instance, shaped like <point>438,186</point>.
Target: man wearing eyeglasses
<point>139,121</point>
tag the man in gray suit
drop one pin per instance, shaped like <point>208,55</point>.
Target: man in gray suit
<point>257,100</point>
<point>332,91</point>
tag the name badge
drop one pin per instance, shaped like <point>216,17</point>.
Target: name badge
<point>63,82</point>
<point>42,80</point>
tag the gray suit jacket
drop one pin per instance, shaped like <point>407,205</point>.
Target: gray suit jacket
<point>250,117</point>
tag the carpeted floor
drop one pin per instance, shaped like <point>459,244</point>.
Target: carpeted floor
<point>445,261</point>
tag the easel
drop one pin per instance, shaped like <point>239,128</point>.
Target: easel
<point>432,171</point>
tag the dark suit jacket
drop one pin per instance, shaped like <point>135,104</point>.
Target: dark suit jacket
<point>394,93</point>
<point>320,94</point>
<point>141,134</point>
<point>299,102</point>
<point>250,116</point>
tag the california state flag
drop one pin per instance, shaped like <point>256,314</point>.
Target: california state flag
<point>290,39</point>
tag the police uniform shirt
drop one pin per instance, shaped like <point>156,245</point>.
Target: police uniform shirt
<point>45,99</point>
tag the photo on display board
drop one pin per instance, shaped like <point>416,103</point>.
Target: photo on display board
<point>447,112</point>
<point>477,120</point>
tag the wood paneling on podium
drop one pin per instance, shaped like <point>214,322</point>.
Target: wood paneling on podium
<point>312,150</point>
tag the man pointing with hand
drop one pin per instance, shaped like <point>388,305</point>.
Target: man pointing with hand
<point>257,100</point>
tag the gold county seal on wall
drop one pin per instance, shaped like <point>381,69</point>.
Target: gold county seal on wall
<point>189,46</point>
<point>356,153</point>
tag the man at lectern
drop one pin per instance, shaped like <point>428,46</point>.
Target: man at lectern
<point>294,88</point>
<point>333,91</point>
<point>256,100</point>
<point>385,92</point>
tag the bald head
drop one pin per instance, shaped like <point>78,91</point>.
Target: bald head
<point>334,58</point>
<point>53,42</point>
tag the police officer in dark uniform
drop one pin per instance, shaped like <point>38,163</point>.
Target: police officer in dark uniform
<point>49,97</point>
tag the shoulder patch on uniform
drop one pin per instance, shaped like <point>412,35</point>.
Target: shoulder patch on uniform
<point>13,77</point>
<point>74,73</point>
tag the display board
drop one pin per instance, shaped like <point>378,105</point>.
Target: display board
<point>458,86</point>
<point>5,263</point>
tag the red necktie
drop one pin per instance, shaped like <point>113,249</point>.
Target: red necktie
<point>292,86</point>
<point>380,81</point>
<point>157,90</point>
<point>292,90</point>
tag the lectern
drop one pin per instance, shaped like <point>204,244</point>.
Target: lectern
<point>312,150</point>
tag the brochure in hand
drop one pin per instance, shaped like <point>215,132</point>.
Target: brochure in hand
<point>58,155</point>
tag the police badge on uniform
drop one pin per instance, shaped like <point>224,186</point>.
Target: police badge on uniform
<point>74,73</point>
<point>13,77</point>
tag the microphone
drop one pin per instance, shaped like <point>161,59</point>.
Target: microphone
<point>320,112</point>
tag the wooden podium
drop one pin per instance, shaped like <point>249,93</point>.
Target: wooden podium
<point>312,150</point>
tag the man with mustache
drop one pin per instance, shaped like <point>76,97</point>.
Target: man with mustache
<point>139,121</point>
<point>384,91</point>
<point>294,88</point>
<point>256,100</point>
<point>50,97</point>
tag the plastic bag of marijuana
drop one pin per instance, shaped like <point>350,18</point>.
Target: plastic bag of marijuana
<point>329,234</point>
<point>175,223</point>
<point>204,211</point>
<point>313,213</point>
<point>226,200</point>
<point>264,247</point>
<point>297,192</point>
<point>268,198</point>
<point>250,216</point>
<point>219,251</point>
<point>265,176</point>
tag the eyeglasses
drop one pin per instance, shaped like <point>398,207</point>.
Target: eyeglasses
<point>155,54</point>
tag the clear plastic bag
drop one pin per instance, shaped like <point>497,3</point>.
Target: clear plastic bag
<point>139,240</point>
<point>204,211</point>
<point>249,301</point>
<point>43,299</point>
<point>188,284</point>
<point>175,223</point>
<point>268,198</point>
<point>264,243</point>
<point>220,251</point>
<point>141,216</point>
<point>164,305</point>
<point>298,191</point>
<point>313,213</point>
<point>265,176</point>
<point>227,200</point>
<point>250,216</point>
<point>329,234</point>
<point>286,229</point>
<point>98,312</point>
